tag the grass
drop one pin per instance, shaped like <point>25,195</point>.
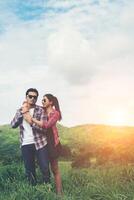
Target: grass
<point>105,182</point>
<point>100,183</point>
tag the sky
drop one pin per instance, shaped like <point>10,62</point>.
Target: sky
<point>82,51</point>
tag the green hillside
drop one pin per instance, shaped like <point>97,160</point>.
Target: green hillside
<point>85,138</point>
<point>101,143</point>
<point>100,166</point>
<point>101,134</point>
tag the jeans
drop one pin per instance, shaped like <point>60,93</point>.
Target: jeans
<point>43,160</point>
<point>29,153</point>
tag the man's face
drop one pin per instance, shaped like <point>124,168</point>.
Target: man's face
<point>31,98</point>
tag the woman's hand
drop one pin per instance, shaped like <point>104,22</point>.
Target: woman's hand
<point>25,107</point>
<point>37,122</point>
<point>28,117</point>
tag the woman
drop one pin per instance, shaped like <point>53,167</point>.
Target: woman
<point>52,110</point>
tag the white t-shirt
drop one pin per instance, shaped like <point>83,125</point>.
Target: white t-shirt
<point>28,133</point>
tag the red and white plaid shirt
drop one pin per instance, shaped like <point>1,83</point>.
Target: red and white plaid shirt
<point>51,123</point>
<point>38,133</point>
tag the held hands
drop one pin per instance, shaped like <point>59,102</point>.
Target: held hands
<point>25,112</point>
<point>28,117</point>
<point>25,107</point>
<point>37,122</point>
<point>32,121</point>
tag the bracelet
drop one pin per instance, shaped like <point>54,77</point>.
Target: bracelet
<point>25,112</point>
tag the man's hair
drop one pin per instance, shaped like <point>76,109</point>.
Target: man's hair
<point>32,90</point>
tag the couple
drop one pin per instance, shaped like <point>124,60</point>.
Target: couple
<point>39,136</point>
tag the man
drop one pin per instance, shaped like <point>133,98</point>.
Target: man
<point>33,140</point>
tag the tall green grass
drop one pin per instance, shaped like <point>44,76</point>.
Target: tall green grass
<point>101,183</point>
<point>97,182</point>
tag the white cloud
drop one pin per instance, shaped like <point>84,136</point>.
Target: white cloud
<point>71,55</point>
<point>83,54</point>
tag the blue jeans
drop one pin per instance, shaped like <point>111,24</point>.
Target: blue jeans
<point>29,153</point>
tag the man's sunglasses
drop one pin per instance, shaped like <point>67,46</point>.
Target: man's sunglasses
<point>31,96</point>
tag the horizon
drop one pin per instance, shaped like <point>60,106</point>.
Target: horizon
<point>92,124</point>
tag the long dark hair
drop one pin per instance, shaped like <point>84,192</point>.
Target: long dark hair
<point>55,103</point>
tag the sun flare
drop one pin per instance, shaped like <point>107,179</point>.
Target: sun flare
<point>117,118</point>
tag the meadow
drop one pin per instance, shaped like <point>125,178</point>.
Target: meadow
<point>97,164</point>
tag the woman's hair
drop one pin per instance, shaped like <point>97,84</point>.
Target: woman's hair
<point>55,103</point>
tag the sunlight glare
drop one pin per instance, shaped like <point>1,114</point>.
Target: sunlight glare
<point>116,118</point>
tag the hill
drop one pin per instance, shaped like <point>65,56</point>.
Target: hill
<point>101,143</point>
<point>84,139</point>
<point>101,134</point>
<point>100,180</point>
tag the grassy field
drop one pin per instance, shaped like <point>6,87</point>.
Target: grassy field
<point>109,181</point>
<point>101,183</point>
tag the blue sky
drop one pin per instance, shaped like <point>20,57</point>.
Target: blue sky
<point>80,50</point>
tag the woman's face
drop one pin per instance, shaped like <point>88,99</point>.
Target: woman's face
<point>45,102</point>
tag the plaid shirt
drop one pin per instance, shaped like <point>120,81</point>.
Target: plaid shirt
<point>51,123</point>
<point>38,133</point>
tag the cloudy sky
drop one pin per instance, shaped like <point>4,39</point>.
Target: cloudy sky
<point>82,51</point>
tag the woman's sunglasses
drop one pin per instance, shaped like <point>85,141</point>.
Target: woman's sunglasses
<point>44,100</point>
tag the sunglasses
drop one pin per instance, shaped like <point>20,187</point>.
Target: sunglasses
<point>31,96</point>
<point>44,100</point>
